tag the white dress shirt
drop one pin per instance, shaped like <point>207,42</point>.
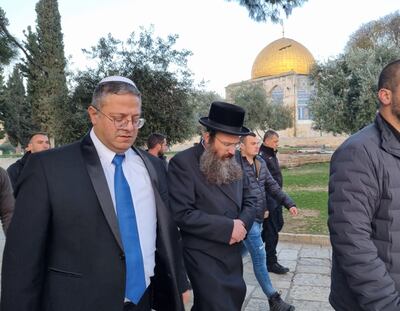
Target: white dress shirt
<point>142,196</point>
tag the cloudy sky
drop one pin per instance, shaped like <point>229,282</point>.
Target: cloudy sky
<point>220,34</point>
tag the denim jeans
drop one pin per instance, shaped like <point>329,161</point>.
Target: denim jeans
<point>255,246</point>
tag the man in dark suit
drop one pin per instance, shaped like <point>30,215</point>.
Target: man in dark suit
<point>214,208</point>
<point>91,228</point>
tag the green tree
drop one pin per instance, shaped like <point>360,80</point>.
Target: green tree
<point>159,71</point>
<point>382,32</point>
<point>45,71</point>
<point>16,111</point>
<point>261,113</point>
<point>263,10</point>
<point>2,102</point>
<point>346,89</point>
<point>7,47</point>
<point>346,86</point>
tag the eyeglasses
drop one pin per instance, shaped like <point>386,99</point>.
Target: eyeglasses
<point>229,145</point>
<point>121,123</point>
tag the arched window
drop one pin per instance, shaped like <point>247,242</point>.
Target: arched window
<point>277,95</point>
<point>303,98</point>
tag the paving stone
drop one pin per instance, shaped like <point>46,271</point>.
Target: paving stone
<point>281,277</point>
<point>311,279</point>
<point>289,245</point>
<point>248,274</point>
<point>310,293</point>
<point>302,305</point>
<point>250,289</point>
<point>288,254</point>
<point>315,253</point>
<point>313,269</point>
<point>314,262</point>
<point>256,305</point>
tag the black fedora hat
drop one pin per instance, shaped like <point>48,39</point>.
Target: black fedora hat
<point>226,118</point>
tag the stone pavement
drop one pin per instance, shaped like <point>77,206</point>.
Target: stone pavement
<point>307,284</point>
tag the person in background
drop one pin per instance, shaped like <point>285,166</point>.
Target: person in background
<point>38,141</point>
<point>364,208</point>
<point>274,223</point>
<point>157,146</point>
<point>263,185</point>
<point>6,200</point>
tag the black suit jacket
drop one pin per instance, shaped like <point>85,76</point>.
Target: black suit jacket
<point>64,251</point>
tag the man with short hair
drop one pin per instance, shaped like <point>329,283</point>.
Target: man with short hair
<point>92,229</point>
<point>263,185</point>
<point>364,208</point>
<point>274,223</point>
<point>214,208</point>
<point>38,141</point>
<point>157,146</point>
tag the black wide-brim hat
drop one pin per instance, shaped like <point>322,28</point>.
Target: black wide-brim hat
<point>226,118</point>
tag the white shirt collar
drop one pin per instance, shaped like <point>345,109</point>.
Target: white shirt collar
<point>105,154</point>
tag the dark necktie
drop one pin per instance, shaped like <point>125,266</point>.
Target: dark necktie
<point>135,279</point>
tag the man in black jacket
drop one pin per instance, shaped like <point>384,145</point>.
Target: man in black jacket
<point>157,146</point>
<point>38,142</point>
<point>274,223</point>
<point>364,208</point>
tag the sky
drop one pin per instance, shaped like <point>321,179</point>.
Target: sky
<point>223,39</point>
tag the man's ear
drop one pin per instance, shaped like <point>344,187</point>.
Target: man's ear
<point>385,96</point>
<point>92,114</point>
<point>206,137</point>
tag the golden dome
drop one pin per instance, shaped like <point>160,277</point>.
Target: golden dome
<point>281,56</point>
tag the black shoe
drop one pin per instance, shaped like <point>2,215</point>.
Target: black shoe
<point>277,304</point>
<point>277,268</point>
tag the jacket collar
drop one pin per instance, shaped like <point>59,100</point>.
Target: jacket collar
<point>268,150</point>
<point>389,141</point>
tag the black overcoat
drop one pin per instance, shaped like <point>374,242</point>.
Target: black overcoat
<point>205,213</point>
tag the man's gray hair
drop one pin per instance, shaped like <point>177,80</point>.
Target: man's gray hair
<point>269,134</point>
<point>118,87</point>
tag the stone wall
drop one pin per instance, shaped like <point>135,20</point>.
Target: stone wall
<point>298,159</point>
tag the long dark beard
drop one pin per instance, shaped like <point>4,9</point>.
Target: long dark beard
<point>219,171</point>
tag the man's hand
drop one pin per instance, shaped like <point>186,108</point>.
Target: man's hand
<point>293,211</point>
<point>186,296</point>
<point>239,231</point>
<point>266,214</point>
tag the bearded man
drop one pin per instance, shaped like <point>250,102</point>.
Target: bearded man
<point>214,208</point>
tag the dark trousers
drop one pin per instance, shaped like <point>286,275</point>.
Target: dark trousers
<point>143,305</point>
<point>270,234</point>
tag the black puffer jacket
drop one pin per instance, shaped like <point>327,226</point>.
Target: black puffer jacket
<point>262,184</point>
<point>364,221</point>
<point>269,156</point>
